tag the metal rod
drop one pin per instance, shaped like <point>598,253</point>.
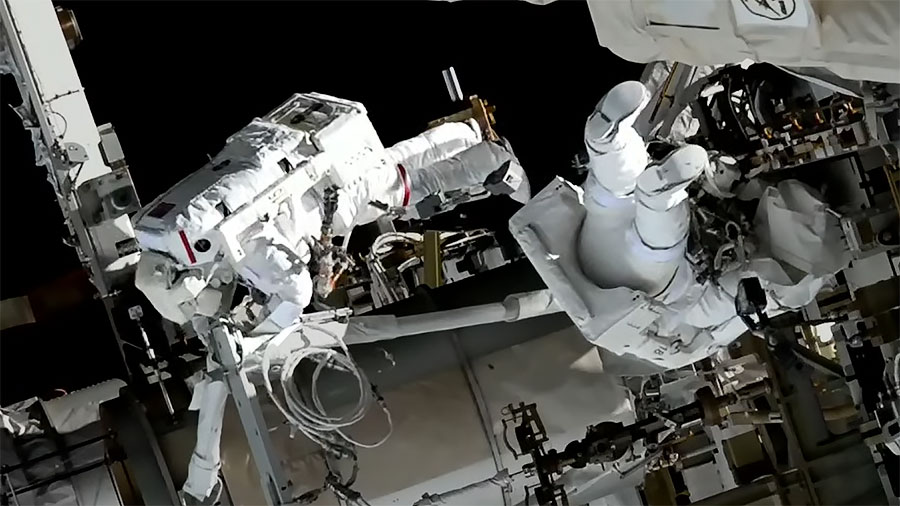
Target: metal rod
<point>452,83</point>
<point>58,477</point>
<point>115,486</point>
<point>12,491</point>
<point>274,483</point>
<point>165,393</point>
<point>433,259</point>
<point>28,463</point>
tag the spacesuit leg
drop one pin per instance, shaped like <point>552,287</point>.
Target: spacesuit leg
<point>662,217</point>
<point>616,152</point>
<point>203,468</point>
<point>617,156</point>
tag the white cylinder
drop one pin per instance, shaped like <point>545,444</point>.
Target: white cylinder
<point>367,329</point>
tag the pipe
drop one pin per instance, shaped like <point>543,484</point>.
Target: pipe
<point>501,479</point>
<point>755,417</point>
<point>817,362</point>
<point>521,306</point>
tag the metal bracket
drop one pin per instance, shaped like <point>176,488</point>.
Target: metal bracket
<point>75,153</point>
<point>107,197</point>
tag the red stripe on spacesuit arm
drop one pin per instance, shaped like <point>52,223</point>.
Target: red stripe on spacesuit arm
<point>407,192</point>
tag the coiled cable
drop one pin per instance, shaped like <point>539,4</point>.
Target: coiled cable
<point>312,418</point>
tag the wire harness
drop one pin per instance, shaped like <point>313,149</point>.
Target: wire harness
<point>307,412</point>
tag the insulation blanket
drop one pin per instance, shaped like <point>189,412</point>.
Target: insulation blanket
<point>792,224</point>
<point>854,39</point>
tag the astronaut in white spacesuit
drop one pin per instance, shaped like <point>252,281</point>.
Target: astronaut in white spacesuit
<point>186,279</point>
<point>183,279</point>
<point>635,234</point>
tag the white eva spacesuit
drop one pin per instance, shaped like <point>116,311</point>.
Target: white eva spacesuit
<point>628,285</point>
<point>255,211</point>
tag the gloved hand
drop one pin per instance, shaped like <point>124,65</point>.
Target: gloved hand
<point>177,294</point>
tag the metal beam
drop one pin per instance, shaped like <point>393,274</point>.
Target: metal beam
<point>275,486</point>
<point>432,259</point>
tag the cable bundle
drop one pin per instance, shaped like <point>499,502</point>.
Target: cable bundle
<point>311,418</point>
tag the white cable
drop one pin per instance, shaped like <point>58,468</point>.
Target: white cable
<point>897,371</point>
<point>314,421</point>
<point>409,263</point>
<point>469,237</point>
<point>378,247</point>
<point>385,239</point>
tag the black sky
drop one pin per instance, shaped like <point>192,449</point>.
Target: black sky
<point>177,78</point>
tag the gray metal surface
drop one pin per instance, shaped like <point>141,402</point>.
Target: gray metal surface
<point>406,359</point>
<point>146,464</point>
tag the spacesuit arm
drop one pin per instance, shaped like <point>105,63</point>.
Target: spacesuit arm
<point>176,294</point>
<point>452,156</point>
<point>435,144</point>
<point>714,309</point>
<point>280,272</point>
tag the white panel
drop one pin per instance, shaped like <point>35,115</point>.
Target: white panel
<point>868,271</point>
<point>54,81</point>
<point>437,445</point>
<point>703,481</point>
<point>438,442</point>
<point>94,488</point>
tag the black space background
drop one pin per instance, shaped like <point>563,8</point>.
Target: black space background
<point>177,78</point>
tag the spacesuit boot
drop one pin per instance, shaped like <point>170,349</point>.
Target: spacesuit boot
<point>615,150</point>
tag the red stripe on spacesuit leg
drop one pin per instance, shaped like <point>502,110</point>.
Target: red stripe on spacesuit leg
<point>187,246</point>
<point>407,192</point>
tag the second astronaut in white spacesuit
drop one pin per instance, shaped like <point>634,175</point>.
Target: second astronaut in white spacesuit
<point>635,235</point>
